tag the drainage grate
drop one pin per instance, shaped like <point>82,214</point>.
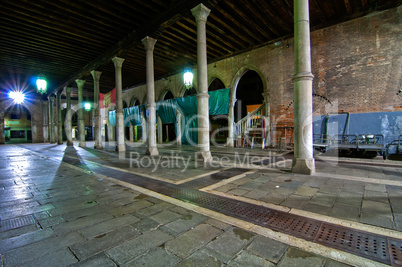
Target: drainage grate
<point>16,223</point>
<point>294,225</point>
<point>365,244</point>
<point>395,251</point>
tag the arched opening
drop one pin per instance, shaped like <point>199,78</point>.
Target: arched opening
<point>17,125</point>
<point>218,123</point>
<point>248,94</point>
<point>136,131</point>
<point>168,129</point>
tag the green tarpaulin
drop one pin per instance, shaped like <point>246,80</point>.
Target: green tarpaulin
<point>166,110</point>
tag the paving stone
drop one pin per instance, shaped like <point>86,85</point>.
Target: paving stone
<point>146,225</point>
<point>225,188</point>
<point>226,246</point>
<point>350,199</point>
<point>186,243</point>
<point>306,191</point>
<point>81,223</point>
<point>247,259</point>
<point>398,221</point>
<point>332,263</point>
<point>9,214</point>
<point>376,187</point>
<point>283,191</point>
<point>25,239</point>
<point>103,242</point>
<point>376,207</point>
<point>343,211</point>
<point>200,256</point>
<point>323,199</point>
<point>217,224</point>
<point>256,194</point>
<point>62,257</point>
<point>137,246</point>
<point>98,260</point>
<point>320,209</point>
<point>38,249</point>
<point>376,196</point>
<point>267,248</point>
<point>274,198</point>
<point>108,226</point>
<point>156,257</point>
<point>296,257</point>
<point>295,201</point>
<point>18,231</point>
<point>140,204</point>
<point>239,191</point>
<point>165,217</point>
<point>374,218</point>
<point>294,185</point>
<point>179,210</point>
<point>184,223</point>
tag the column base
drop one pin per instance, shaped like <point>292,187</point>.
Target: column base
<point>82,144</point>
<point>59,143</point>
<point>152,151</point>
<point>70,143</point>
<point>99,146</point>
<point>303,166</point>
<point>230,142</point>
<point>120,148</point>
<point>205,156</point>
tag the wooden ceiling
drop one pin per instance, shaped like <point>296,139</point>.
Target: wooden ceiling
<point>66,39</point>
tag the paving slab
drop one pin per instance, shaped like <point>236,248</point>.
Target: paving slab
<point>267,248</point>
<point>296,257</point>
<point>247,259</point>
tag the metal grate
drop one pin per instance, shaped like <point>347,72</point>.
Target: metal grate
<point>395,251</point>
<point>213,178</point>
<point>361,243</point>
<point>16,223</point>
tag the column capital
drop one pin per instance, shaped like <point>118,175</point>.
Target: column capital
<point>80,83</point>
<point>200,12</point>
<point>118,62</point>
<point>96,75</point>
<point>68,90</point>
<point>51,98</point>
<point>148,43</point>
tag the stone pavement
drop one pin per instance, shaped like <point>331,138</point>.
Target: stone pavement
<point>57,210</point>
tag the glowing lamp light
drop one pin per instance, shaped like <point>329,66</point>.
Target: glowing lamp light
<point>188,78</point>
<point>17,97</point>
<point>41,84</point>
<point>87,106</point>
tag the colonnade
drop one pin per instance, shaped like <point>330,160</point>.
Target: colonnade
<point>303,161</point>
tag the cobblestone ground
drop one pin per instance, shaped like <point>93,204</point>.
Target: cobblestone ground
<point>52,214</point>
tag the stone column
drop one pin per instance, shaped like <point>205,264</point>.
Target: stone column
<point>51,120</point>
<point>98,123</point>
<point>2,136</point>
<point>120,146</point>
<point>303,161</point>
<point>267,119</point>
<point>160,131</point>
<point>69,114</point>
<point>45,114</point>
<point>59,122</point>
<point>178,128</point>
<point>231,122</point>
<point>131,133</point>
<point>81,123</point>
<point>149,44</point>
<point>201,13</point>
<point>144,129</point>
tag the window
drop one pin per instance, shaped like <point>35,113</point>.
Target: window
<point>17,134</point>
<point>15,116</point>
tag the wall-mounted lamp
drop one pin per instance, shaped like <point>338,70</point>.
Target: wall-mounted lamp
<point>17,96</point>
<point>41,85</point>
<point>87,106</point>
<point>188,78</point>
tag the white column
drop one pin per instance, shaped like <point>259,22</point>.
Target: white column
<point>81,123</point>
<point>303,161</point>
<point>120,146</point>
<point>160,131</point>
<point>149,44</point>
<point>69,114</point>
<point>178,128</point>
<point>201,13</point>
<point>231,130</point>
<point>59,122</point>
<point>98,135</point>
<point>51,120</point>
<point>267,119</point>
<point>144,129</point>
<point>45,113</point>
<point>131,132</point>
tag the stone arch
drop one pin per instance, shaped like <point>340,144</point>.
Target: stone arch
<point>135,101</point>
<point>166,93</point>
<point>213,80</point>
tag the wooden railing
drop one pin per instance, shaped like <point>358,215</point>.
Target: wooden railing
<point>251,120</point>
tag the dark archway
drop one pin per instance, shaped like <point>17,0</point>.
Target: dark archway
<point>219,123</point>
<point>168,129</point>
<point>17,125</point>
<point>216,85</point>
<point>248,94</point>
